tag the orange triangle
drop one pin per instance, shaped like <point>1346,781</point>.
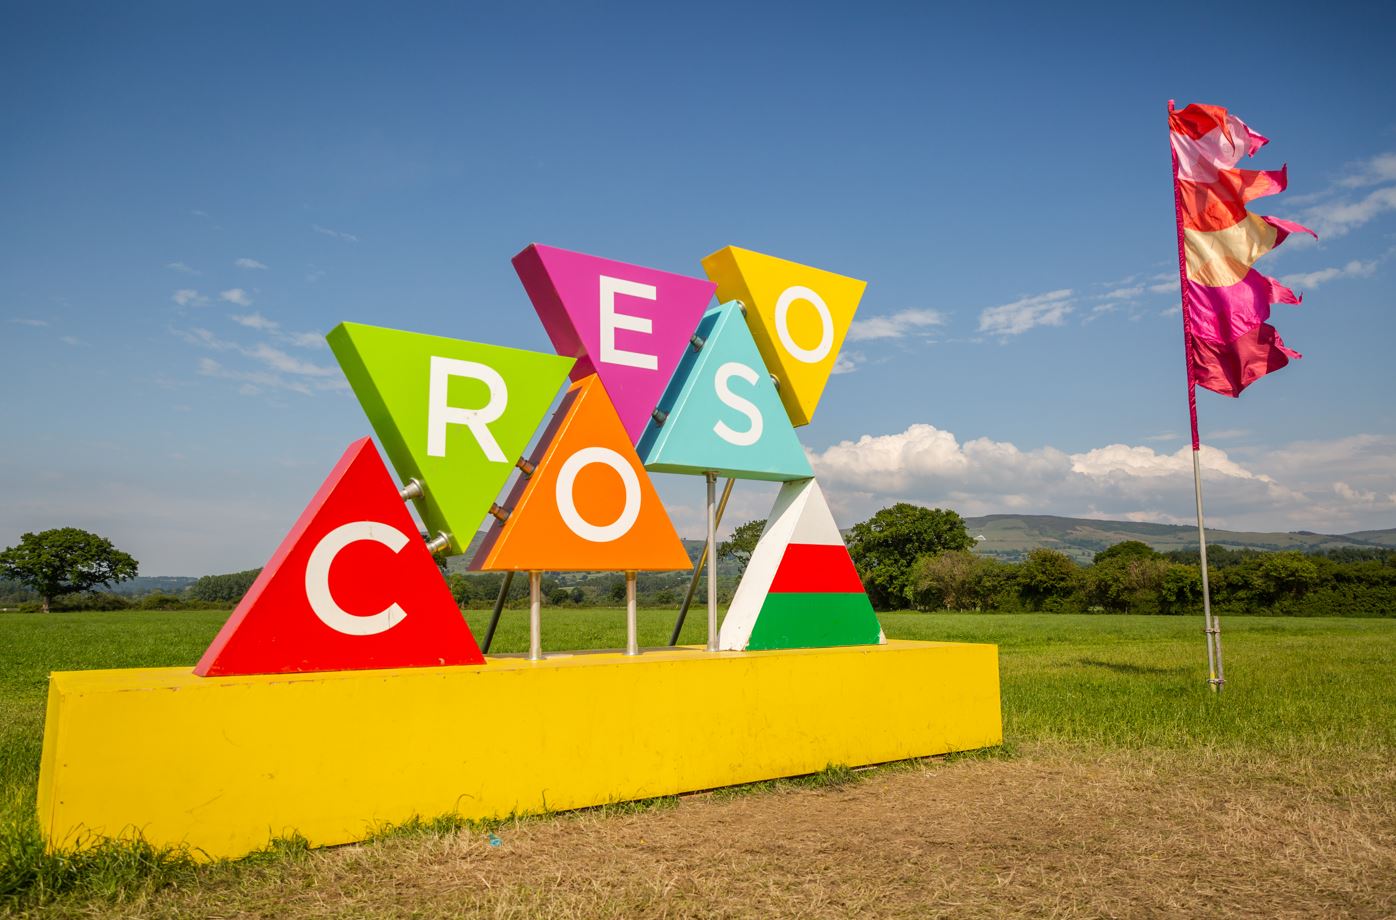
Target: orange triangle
<point>589,504</point>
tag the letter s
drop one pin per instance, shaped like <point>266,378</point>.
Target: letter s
<point>722,384</point>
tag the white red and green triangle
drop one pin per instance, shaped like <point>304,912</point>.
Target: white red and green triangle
<point>800,589</point>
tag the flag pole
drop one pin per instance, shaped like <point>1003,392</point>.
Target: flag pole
<point>1211,625</point>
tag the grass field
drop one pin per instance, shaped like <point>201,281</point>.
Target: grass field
<point>1296,754</point>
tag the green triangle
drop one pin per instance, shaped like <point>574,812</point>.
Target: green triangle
<point>462,459</point>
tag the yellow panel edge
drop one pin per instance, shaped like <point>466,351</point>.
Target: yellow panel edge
<point>223,765</point>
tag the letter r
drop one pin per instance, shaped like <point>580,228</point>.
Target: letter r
<point>440,413</point>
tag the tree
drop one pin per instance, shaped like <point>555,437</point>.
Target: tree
<point>1047,575</point>
<point>886,546</point>
<point>1129,549</point>
<point>224,589</point>
<point>1128,582</point>
<point>1280,576</point>
<point>742,543</point>
<point>961,580</point>
<point>1181,590</point>
<point>64,561</point>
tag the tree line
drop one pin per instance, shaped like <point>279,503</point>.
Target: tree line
<point>908,557</point>
<point>918,558</point>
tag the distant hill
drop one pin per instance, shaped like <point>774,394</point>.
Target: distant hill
<point>1011,536</point>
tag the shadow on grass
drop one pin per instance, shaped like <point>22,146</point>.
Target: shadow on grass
<point>1121,667</point>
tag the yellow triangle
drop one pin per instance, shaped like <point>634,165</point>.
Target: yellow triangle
<point>798,315</point>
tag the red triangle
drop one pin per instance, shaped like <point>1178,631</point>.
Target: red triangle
<point>352,587</point>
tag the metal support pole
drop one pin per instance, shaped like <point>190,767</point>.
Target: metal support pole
<point>535,616</point>
<point>632,630</point>
<point>712,561</point>
<point>1212,625</point>
<point>698,569</point>
<point>504,587</point>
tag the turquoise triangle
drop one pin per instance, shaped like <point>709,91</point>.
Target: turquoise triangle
<point>721,411</point>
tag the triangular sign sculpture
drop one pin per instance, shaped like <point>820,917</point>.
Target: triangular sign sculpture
<point>798,315</point>
<point>721,411</point>
<point>454,415</point>
<point>627,324</point>
<point>800,589</point>
<point>352,587</point>
<point>589,505</point>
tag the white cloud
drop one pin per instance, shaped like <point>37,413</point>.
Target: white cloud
<point>314,275</point>
<point>336,234</point>
<point>237,296</point>
<point>277,371</point>
<point>254,381</point>
<point>304,339</point>
<point>188,297</point>
<point>28,321</point>
<point>249,263</point>
<point>894,326</point>
<point>1297,488</point>
<point>255,321</point>
<point>1122,293</point>
<point>279,360</point>
<point>1311,280</point>
<point>1166,287</point>
<point>847,362</point>
<point>71,340</point>
<point>1337,218</point>
<point>1015,318</point>
<point>181,267</point>
<point>1376,171</point>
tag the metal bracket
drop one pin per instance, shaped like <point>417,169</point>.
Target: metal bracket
<point>499,514</point>
<point>697,341</point>
<point>660,417</point>
<point>438,543</point>
<point>525,467</point>
<point>412,490</point>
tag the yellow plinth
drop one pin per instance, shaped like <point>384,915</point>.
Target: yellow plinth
<point>223,765</point>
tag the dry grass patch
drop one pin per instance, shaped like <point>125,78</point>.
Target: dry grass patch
<point>1047,833</point>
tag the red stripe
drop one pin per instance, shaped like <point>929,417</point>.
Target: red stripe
<point>1229,369</point>
<point>808,568</point>
<point>1221,204</point>
<point>1197,119</point>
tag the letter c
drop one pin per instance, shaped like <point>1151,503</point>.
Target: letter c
<point>317,579</point>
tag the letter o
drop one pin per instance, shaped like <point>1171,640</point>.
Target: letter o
<point>826,336</point>
<point>317,578</point>
<point>567,506</point>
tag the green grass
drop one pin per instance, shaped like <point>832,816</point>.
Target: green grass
<point>1305,689</point>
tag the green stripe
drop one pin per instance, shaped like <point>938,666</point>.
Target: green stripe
<point>814,621</point>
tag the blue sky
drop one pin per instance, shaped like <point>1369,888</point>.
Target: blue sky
<point>195,193</point>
